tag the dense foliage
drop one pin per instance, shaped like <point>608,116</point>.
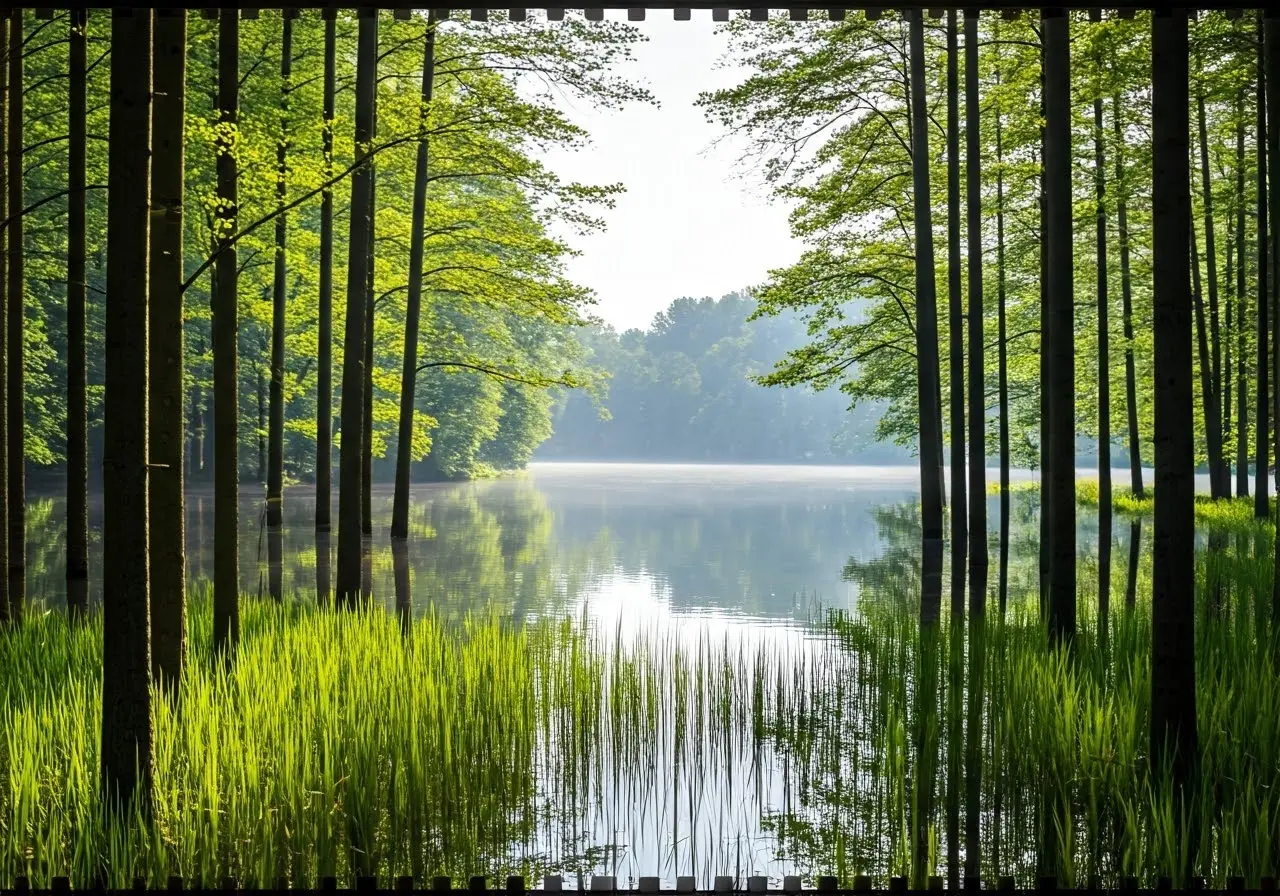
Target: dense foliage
<point>495,295</point>
<point>826,110</point>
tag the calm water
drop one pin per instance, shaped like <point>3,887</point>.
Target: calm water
<point>698,554</point>
<point>725,545</point>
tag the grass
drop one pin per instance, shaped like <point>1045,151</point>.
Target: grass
<point>1229,515</point>
<point>334,746</point>
<point>1046,749</point>
<point>339,745</point>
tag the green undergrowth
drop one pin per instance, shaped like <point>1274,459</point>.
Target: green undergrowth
<point>335,744</point>
<point>341,743</point>
<point>1045,748</point>
<point>1230,514</point>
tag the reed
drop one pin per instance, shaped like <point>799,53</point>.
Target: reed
<point>338,743</point>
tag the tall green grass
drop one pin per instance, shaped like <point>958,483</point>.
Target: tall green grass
<point>333,745</point>
<point>1064,785</point>
<point>338,744</point>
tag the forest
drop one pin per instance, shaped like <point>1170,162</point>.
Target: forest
<point>687,389</point>
<point>230,239</point>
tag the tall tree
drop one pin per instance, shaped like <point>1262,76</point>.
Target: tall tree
<point>1002,339</point>
<point>126,667</point>
<point>77,362</point>
<point>1208,402</point>
<point>959,513</point>
<point>1046,362</point>
<point>927,376</point>
<point>1173,683</point>
<point>366,425</point>
<point>6,610</point>
<point>16,424</point>
<point>1262,431</point>
<point>1218,472</point>
<point>349,482</point>
<point>324,376</point>
<point>413,309</point>
<point>1242,370</point>
<point>165,351</point>
<point>1272,71</point>
<point>977,361</point>
<point>226,327</point>
<point>1104,334</point>
<point>1126,304</point>
<point>1227,392</point>
<point>1062,383</point>
<point>275,434</point>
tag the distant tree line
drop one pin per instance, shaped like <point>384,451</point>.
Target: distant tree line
<point>686,389</point>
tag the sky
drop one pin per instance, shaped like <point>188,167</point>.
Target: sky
<point>689,223</point>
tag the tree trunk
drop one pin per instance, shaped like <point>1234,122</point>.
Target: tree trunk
<point>403,582</point>
<point>5,611</point>
<point>366,428</point>
<point>977,361</point>
<point>927,378</point>
<point>196,448</point>
<point>1126,299</point>
<point>1212,425</point>
<point>1046,356</point>
<point>324,376</point>
<point>1062,363</point>
<point>1272,68</point>
<point>1173,691</point>
<point>1228,361</point>
<point>275,429</point>
<point>275,432</point>
<point>1104,352</point>
<point>168,549</point>
<point>262,425</point>
<point>1135,551</point>
<point>77,364</point>
<point>959,511</point>
<point>126,663</point>
<point>324,568</point>
<point>226,388</point>
<point>366,448</point>
<point>15,333</point>
<point>207,450</point>
<point>413,309</point>
<point>1242,374</point>
<point>349,485</point>
<point>1262,445</point>
<point>1003,341</point>
<point>1218,474</point>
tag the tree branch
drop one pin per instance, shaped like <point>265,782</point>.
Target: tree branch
<point>310,194</point>
<point>45,201</point>
<point>564,380</point>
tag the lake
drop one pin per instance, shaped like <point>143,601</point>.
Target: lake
<point>727,545</point>
<point>711,559</point>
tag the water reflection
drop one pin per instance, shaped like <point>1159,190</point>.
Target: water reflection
<point>772,746</point>
<point>733,542</point>
<point>403,583</point>
<point>324,567</point>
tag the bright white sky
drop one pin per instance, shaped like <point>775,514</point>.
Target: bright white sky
<point>688,225</point>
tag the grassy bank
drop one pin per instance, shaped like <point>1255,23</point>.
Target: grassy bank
<point>339,744</point>
<point>336,744</point>
<point>982,743</point>
<point>1233,514</point>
